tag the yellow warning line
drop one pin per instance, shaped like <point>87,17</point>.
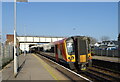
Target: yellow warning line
<point>46,67</point>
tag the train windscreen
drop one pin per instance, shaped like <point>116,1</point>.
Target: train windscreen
<point>70,46</point>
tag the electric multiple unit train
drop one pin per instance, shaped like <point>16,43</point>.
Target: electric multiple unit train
<point>74,51</point>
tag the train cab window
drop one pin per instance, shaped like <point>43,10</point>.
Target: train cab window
<point>70,46</point>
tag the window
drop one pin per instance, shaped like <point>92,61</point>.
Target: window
<point>70,46</point>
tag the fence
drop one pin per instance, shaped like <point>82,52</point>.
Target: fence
<point>110,53</point>
<point>0,57</point>
<point>7,52</point>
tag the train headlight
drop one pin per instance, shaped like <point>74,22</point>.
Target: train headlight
<point>71,58</point>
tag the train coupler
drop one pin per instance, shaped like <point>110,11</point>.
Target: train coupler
<point>83,67</point>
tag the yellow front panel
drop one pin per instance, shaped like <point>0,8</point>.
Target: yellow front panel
<point>71,58</point>
<point>82,58</point>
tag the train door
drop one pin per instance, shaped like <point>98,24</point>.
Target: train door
<point>56,52</point>
<point>59,51</point>
<point>82,45</point>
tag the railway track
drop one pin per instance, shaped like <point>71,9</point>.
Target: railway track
<point>94,73</point>
<point>114,66</point>
<point>73,76</point>
<point>106,69</point>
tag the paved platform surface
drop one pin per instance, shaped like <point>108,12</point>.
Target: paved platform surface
<point>0,76</point>
<point>104,58</point>
<point>34,68</point>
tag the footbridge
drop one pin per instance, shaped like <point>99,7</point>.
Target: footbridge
<point>25,41</point>
<point>38,39</point>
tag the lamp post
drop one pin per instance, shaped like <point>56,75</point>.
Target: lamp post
<point>15,53</point>
<point>15,45</point>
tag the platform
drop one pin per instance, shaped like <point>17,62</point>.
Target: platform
<point>104,58</point>
<point>34,68</point>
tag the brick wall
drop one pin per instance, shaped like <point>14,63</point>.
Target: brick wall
<point>10,38</point>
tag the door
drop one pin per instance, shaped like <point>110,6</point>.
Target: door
<point>56,52</point>
<point>82,49</point>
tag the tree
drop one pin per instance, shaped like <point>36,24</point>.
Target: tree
<point>93,40</point>
<point>105,38</point>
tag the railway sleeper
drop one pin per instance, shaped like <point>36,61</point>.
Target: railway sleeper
<point>107,72</point>
<point>97,77</point>
<point>106,69</point>
<point>110,78</point>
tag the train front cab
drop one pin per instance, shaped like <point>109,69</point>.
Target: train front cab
<point>83,52</point>
<point>78,51</point>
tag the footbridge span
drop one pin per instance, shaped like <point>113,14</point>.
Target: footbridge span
<point>25,41</point>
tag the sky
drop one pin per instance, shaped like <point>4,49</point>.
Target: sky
<point>65,0</point>
<point>119,18</point>
<point>95,19</point>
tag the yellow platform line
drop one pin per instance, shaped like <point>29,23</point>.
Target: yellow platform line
<point>45,66</point>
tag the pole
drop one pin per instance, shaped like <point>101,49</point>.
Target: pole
<point>15,46</point>
<point>24,43</point>
<point>15,53</point>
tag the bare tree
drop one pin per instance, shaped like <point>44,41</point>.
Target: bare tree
<point>105,38</point>
<point>93,40</point>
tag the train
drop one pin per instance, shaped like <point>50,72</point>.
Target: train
<point>73,51</point>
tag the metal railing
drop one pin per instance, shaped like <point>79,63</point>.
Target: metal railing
<point>6,55</point>
<point>109,53</point>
